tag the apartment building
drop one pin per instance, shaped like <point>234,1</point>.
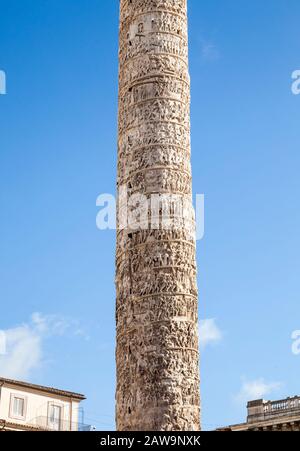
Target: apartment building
<point>30,407</point>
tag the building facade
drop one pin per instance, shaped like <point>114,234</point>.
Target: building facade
<point>283,415</point>
<point>157,307</point>
<point>25,406</point>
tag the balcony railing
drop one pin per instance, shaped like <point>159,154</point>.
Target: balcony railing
<point>44,423</point>
<point>282,405</point>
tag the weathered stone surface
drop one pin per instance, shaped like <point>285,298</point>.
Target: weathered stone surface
<point>157,317</point>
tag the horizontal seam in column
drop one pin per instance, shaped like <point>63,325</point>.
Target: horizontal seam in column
<point>157,168</point>
<point>173,13</point>
<point>147,146</point>
<point>170,241</point>
<point>145,296</point>
<point>142,55</point>
<point>122,130</point>
<point>149,323</point>
<point>133,105</point>
<point>147,77</point>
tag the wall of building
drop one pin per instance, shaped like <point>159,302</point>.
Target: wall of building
<point>37,407</point>
<point>282,415</point>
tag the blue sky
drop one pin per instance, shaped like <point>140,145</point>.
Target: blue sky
<point>58,153</point>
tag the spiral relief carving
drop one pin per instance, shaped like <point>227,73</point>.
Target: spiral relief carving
<point>157,309</point>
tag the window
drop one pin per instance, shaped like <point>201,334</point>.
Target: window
<point>17,407</point>
<point>55,417</point>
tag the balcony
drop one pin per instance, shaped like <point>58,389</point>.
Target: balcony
<point>44,424</point>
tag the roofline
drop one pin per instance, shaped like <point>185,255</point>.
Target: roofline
<point>8,426</point>
<point>43,388</point>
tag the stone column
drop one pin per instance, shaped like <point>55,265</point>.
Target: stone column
<point>157,313</point>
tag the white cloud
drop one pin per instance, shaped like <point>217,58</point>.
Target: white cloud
<point>209,51</point>
<point>209,332</point>
<point>24,344</point>
<point>23,352</point>
<point>51,324</point>
<point>256,389</point>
